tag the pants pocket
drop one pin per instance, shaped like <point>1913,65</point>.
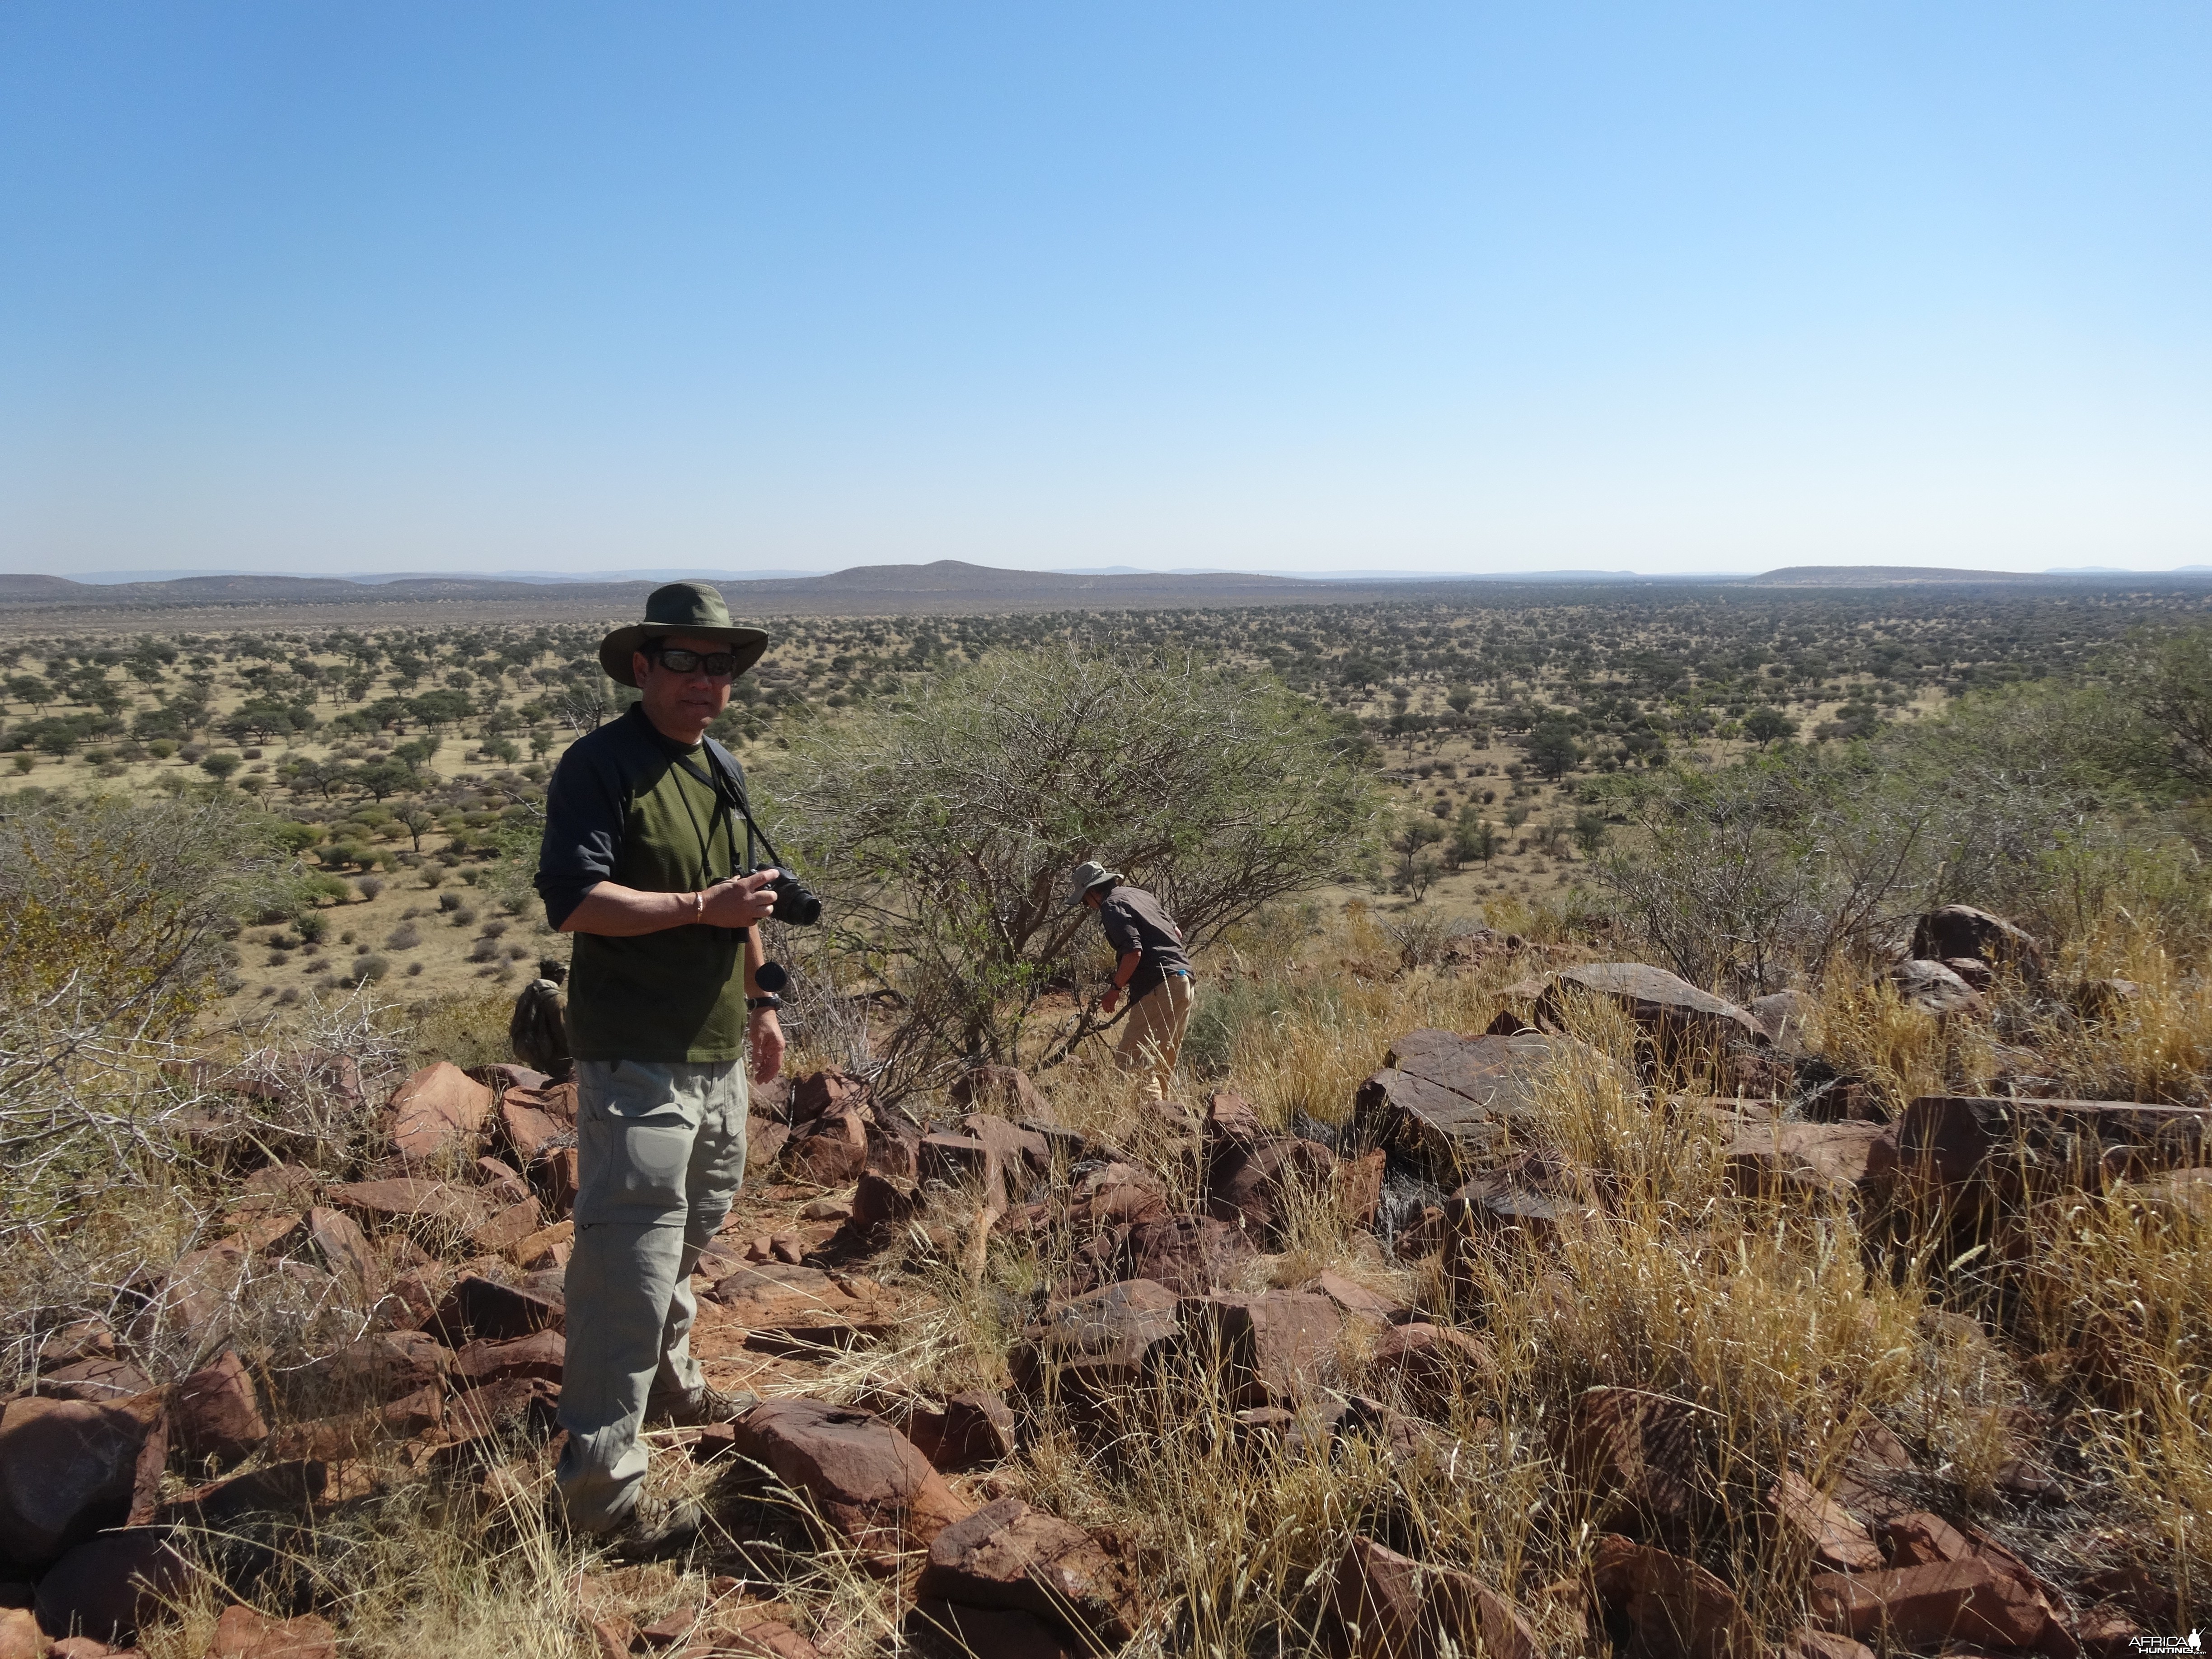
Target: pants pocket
<point>636,1124</point>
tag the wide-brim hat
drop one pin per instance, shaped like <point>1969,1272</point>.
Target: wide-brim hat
<point>1089,874</point>
<point>692,608</point>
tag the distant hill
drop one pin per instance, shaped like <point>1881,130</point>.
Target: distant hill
<point>1902,576</point>
<point>1881,575</point>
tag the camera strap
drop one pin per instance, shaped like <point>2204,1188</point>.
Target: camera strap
<point>728,784</point>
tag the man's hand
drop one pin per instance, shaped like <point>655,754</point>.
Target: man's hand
<point>740,902</point>
<point>1111,1000</point>
<point>766,1034</point>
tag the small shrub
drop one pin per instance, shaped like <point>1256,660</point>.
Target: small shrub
<point>449,903</point>
<point>463,915</point>
<point>404,936</point>
<point>366,969</point>
<point>413,969</point>
<point>370,886</point>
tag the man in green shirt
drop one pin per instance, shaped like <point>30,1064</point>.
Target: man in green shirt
<point>640,862</point>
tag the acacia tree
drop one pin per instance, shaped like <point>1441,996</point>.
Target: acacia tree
<point>943,831</point>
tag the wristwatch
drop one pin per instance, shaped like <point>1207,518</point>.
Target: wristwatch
<point>757,1004</point>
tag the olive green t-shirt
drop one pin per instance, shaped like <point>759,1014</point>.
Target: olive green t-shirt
<point>623,807</point>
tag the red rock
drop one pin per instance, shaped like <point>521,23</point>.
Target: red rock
<point>1024,1155</point>
<point>85,1339</point>
<point>477,1308</point>
<point>439,1110</point>
<point>879,1200</point>
<point>1643,1450</point>
<point>1667,1006</point>
<point>1256,1185</point>
<point>343,1248</point>
<point>1677,1609</point>
<point>867,1485</point>
<point>2001,1140</point>
<point>497,1405</point>
<point>1356,1185</point>
<point>528,1131</point>
<point>501,1181</point>
<point>1355,1299</point>
<point>547,1248</point>
<point>68,1469</point>
<point>1188,1254</point>
<point>407,1202</point>
<point>508,1229</point>
<point>106,1587</point>
<point>614,1636</point>
<point>1422,1363</point>
<point>199,1288</point>
<point>770,1638</point>
<point>1823,1527</point>
<point>373,1370</point>
<point>976,1427</point>
<point>832,1152</point>
<point>83,1647</point>
<point>94,1380</point>
<point>1442,1100</point>
<point>1933,989</point>
<point>540,1354</point>
<point>287,1489</point>
<point>1960,930</point>
<point>782,1304</point>
<point>243,1633</point>
<point>215,1413</point>
<point>1000,1632</point>
<point>1105,1339</point>
<point>1810,1643</point>
<point>1386,1605</point>
<point>1921,1538</point>
<point>965,1162</point>
<point>1001,1089</point>
<point>1009,1555</point>
<point>1840,1161</point>
<point>1229,1117</point>
<point>1269,1349</point>
<point>1969,1601</point>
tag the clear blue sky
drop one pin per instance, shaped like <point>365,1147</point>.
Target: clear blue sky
<point>326,288</point>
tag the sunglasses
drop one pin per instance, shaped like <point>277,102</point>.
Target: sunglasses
<point>677,660</point>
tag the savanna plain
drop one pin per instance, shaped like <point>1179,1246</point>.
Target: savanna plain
<point>1691,1142</point>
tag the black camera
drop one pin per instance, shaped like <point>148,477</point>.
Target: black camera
<point>797,905</point>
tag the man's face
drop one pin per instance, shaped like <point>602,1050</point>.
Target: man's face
<point>680,706</point>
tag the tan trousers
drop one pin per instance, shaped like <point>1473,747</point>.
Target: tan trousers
<point>1151,1037</point>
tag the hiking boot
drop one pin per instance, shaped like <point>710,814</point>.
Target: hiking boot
<point>653,1527</point>
<point>704,1404</point>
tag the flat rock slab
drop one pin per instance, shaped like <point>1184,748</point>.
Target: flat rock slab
<point>781,1303</point>
<point>1826,1160</point>
<point>1954,1139</point>
<point>1663,1004</point>
<point>1445,1101</point>
<point>477,1308</point>
<point>408,1202</point>
<point>440,1106</point>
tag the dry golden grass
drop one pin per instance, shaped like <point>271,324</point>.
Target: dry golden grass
<point>1782,1323</point>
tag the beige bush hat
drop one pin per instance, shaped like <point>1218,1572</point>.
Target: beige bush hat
<point>690,608</point>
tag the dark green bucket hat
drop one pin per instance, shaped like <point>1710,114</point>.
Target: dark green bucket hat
<point>691,608</point>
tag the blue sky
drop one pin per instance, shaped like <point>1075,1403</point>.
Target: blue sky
<point>325,288</point>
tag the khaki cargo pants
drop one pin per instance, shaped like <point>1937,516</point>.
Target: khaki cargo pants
<point>1152,1041</point>
<point>661,1151</point>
